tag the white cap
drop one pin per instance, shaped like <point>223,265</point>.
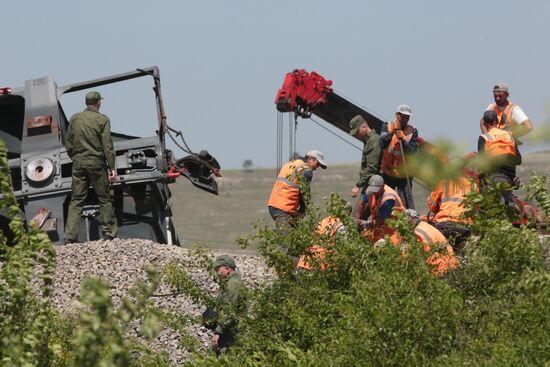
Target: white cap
<point>319,156</point>
<point>375,184</point>
<point>404,109</point>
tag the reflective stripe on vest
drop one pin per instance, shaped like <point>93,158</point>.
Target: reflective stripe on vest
<point>429,234</point>
<point>389,194</point>
<point>285,194</point>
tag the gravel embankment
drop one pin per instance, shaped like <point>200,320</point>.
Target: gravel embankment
<point>122,262</point>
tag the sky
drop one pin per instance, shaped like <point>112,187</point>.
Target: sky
<point>222,62</point>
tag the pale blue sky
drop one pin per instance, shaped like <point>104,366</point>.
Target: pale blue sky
<point>222,63</point>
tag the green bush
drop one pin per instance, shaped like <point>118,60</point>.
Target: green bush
<point>372,306</point>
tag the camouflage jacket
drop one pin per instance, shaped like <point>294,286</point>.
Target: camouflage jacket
<point>370,160</point>
<point>232,294</point>
<point>89,138</point>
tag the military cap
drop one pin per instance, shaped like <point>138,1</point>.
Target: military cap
<point>93,97</point>
<point>224,260</point>
<point>355,123</point>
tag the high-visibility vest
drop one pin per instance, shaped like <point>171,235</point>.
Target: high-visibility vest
<point>499,142</point>
<point>446,199</point>
<point>442,260</point>
<point>392,156</point>
<point>285,194</point>
<point>328,226</point>
<point>505,121</point>
<point>376,202</point>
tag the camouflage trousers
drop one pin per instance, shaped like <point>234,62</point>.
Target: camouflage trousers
<point>82,177</point>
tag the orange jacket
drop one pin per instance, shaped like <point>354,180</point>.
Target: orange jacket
<point>285,194</point>
<point>504,117</point>
<point>499,142</point>
<point>376,202</point>
<point>381,229</point>
<point>445,201</point>
<point>392,156</point>
<point>328,226</point>
<point>443,260</point>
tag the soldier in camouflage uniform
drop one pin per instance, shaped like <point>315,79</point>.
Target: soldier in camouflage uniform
<point>90,147</point>
<point>233,296</point>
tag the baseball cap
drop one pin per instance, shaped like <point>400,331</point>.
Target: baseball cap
<point>375,183</point>
<point>500,87</point>
<point>93,97</point>
<point>490,116</point>
<point>404,109</point>
<point>319,156</point>
<point>355,123</point>
<point>224,260</point>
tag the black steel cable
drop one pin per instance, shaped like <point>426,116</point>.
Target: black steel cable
<point>338,136</point>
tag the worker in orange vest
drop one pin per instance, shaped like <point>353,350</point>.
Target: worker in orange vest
<point>292,184</point>
<point>397,139</point>
<point>382,201</point>
<point>447,209</point>
<point>501,149</point>
<point>443,260</point>
<point>510,116</point>
<point>330,226</point>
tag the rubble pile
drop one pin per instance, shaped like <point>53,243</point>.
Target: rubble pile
<point>122,262</point>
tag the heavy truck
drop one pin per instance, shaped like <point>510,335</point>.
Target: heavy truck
<point>33,125</point>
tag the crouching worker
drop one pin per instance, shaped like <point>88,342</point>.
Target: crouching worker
<point>447,208</point>
<point>443,259</point>
<point>382,201</point>
<point>232,302</point>
<point>330,226</point>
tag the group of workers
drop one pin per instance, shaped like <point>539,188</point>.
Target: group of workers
<point>385,184</point>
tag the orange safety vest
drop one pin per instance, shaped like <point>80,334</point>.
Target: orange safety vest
<point>285,194</point>
<point>499,142</point>
<point>376,202</point>
<point>328,226</point>
<point>446,199</point>
<point>381,230</point>
<point>392,156</point>
<point>505,116</point>
<point>443,260</point>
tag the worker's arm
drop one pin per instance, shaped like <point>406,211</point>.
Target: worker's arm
<point>69,140</point>
<point>385,210</point>
<point>482,126</point>
<point>385,136</point>
<point>107,143</point>
<point>523,129</point>
<point>411,145</point>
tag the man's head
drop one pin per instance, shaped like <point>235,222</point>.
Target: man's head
<point>224,265</point>
<point>315,159</point>
<point>93,98</point>
<point>490,118</point>
<point>403,114</point>
<point>376,186</point>
<point>358,127</point>
<point>500,93</point>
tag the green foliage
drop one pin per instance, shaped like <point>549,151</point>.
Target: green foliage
<point>371,306</point>
<point>537,189</point>
<point>375,306</point>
